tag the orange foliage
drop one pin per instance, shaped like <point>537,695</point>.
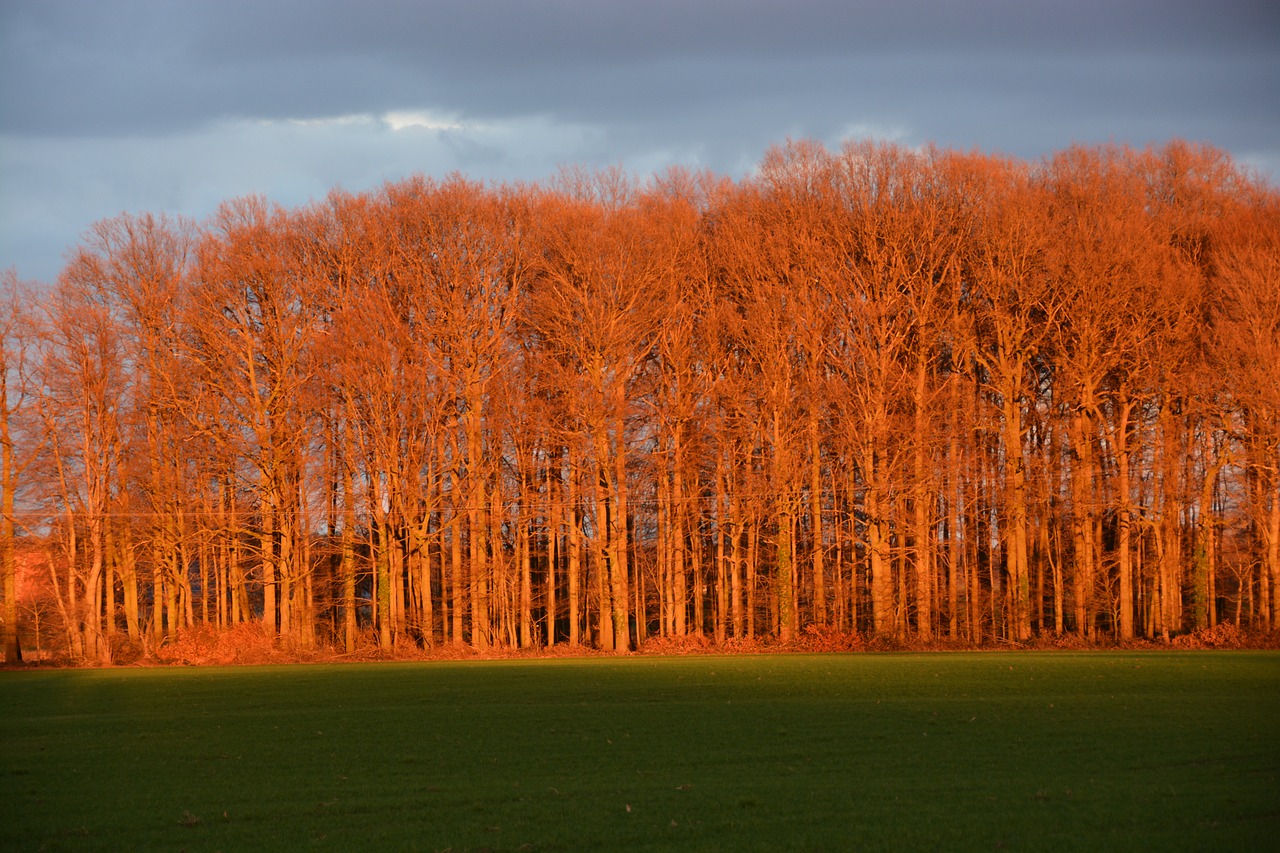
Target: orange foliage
<point>869,398</point>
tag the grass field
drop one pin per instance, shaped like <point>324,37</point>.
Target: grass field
<point>984,751</point>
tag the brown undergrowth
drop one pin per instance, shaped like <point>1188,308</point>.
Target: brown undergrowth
<point>249,644</point>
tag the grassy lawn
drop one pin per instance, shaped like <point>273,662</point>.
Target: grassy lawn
<point>984,751</point>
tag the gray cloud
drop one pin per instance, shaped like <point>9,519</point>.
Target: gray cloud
<point>108,105</point>
<point>117,66</point>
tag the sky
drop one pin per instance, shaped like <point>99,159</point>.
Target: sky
<point>174,106</point>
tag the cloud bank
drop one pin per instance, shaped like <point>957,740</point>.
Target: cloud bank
<point>144,105</point>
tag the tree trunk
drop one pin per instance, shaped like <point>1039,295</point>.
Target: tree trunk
<point>1016,541</point>
<point>678,565</point>
<point>8,483</point>
<point>922,510</point>
<point>523,546</point>
<point>784,567</point>
<point>574,566</point>
<point>736,564</point>
<point>8,563</point>
<point>382,573</point>
<point>476,529</point>
<point>347,567</point>
<point>1272,508</point>
<point>753,563</point>
<point>722,558</point>
<point>1082,485</point>
<point>420,568</point>
<point>602,555</point>
<point>954,569</point>
<point>882,621</point>
<point>1123,535</point>
<point>815,515</point>
<point>618,545</point>
<point>268,563</point>
<point>553,555</point>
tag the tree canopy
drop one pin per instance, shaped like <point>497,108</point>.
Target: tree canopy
<point>873,391</point>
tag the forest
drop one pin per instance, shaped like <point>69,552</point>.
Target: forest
<point>934,396</point>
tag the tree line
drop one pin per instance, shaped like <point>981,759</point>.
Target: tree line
<point>918,393</point>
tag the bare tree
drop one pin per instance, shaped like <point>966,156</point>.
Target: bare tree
<point>1246,334</point>
<point>252,327</point>
<point>17,444</point>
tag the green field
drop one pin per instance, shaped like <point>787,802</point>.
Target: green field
<point>984,751</point>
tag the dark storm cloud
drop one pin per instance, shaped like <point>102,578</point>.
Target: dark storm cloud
<point>93,67</point>
<point>110,105</point>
